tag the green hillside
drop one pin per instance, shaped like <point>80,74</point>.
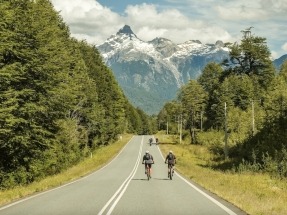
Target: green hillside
<point>59,102</point>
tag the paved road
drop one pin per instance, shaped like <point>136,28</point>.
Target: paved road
<point>121,188</point>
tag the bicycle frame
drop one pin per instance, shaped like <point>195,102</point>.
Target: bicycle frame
<point>170,168</point>
<point>148,164</point>
<point>148,172</point>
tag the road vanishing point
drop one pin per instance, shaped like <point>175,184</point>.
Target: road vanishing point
<point>121,188</point>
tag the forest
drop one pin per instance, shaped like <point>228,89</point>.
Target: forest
<point>238,109</point>
<point>59,101</point>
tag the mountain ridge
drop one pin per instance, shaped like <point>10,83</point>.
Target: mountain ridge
<point>156,68</point>
<point>279,61</point>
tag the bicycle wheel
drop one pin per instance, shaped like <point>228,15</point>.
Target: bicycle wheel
<point>170,172</point>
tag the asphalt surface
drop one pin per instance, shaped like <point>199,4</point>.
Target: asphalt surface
<point>121,188</point>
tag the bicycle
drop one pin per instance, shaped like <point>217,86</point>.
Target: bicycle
<point>170,170</point>
<point>148,168</point>
<point>150,141</point>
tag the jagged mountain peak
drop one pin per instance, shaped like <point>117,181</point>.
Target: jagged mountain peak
<point>156,68</point>
<point>126,30</point>
<point>151,73</point>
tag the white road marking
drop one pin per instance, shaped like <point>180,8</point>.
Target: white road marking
<point>230,212</point>
<point>44,192</point>
<point>119,193</point>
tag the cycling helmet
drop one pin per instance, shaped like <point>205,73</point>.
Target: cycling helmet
<point>170,152</point>
<point>147,152</point>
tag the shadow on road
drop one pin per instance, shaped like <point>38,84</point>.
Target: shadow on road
<point>139,179</point>
<point>145,179</point>
<point>163,179</point>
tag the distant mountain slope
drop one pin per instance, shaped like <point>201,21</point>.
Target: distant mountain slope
<point>152,72</point>
<point>278,62</point>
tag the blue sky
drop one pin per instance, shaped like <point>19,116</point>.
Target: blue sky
<point>120,5</point>
<point>178,20</point>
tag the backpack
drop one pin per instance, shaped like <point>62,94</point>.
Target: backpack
<point>170,157</point>
<point>148,157</point>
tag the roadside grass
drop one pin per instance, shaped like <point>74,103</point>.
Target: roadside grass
<point>254,193</point>
<point>99,158</point>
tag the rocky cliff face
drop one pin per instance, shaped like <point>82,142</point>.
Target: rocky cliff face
<point>151,73</point>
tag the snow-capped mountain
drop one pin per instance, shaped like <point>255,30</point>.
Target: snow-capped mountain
<point>151,73</point>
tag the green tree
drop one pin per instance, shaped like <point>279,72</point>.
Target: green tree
<point>193,100</point>
<point>58,99</point>
<point>110,96</point>
<point>276,100</point>
<point>26,127</point>
<point>133,119</point>
<point>169,115</point>
<point>283,70</point>
<point>210,77</point>
<point>146,127</point>
<point>252,57</point>
<point>270,140</point>
<point>211,80</point>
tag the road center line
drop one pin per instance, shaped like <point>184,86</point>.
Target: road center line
<point>119,193</point>
<point>59,187</point>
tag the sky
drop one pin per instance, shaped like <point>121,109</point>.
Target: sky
<point>178,20</point>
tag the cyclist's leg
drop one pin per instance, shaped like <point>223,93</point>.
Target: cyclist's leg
<point>149,169</point>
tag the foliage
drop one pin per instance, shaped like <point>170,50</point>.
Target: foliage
<point>58,100</point>
<point>254,192</point>
<point>169,116</point>
<point>211,79</point>
<point>193,100</point>
<point>256,112</point>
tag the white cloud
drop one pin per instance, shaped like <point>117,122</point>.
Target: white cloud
<point>274,55</point>
<point>255,10</point>
<point>147,33</point>
<point>88,19</point>
<point>240,12</point>
<point>277,6</point>
<point>91,21</point>
<point>148,23</point>
<point>179,20</point>
<point>284,47</point>
<point>148,15</point>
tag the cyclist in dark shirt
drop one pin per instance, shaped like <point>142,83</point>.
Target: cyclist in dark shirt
<point>147,160</point>
<point>171,160</point>
<point>150,141</point>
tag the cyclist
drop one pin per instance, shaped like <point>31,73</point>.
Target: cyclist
<point>156,141</point>
<point>147,160</point>
<point>150,141</point>
<point>171,160</point>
